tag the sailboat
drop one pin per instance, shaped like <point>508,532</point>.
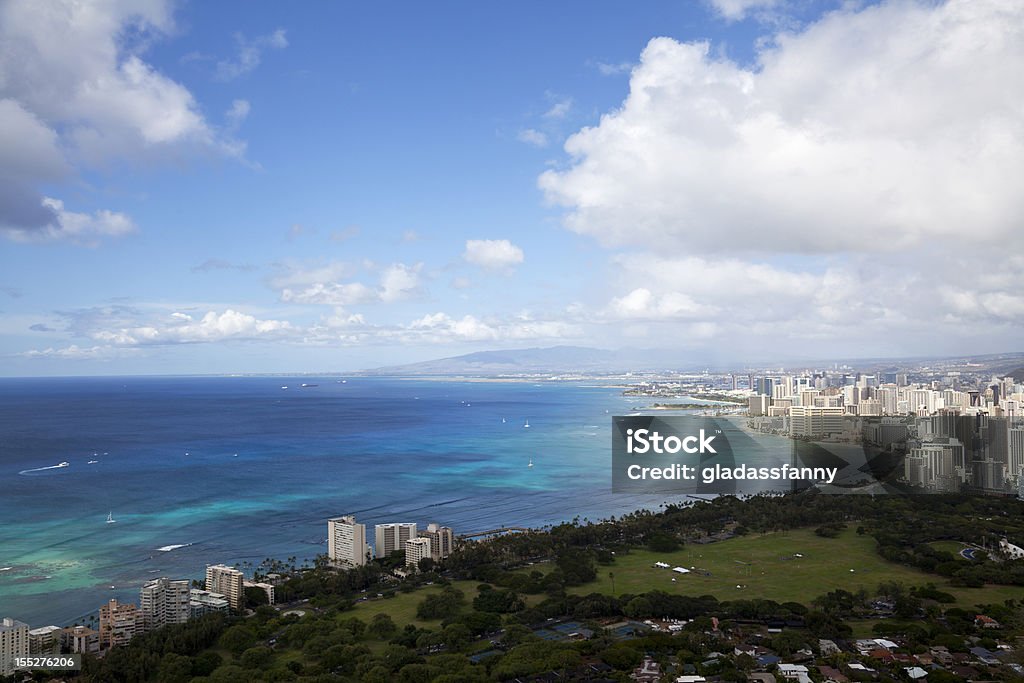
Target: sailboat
<point>527,425</point>
<point>502,420</point>
<point>530,464</point>
<point>110,517</point>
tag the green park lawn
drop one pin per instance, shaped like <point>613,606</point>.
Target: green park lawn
<point>766,566</point>
<point>402,607</point>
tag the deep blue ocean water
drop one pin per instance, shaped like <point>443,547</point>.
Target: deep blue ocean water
<point>237,469</point>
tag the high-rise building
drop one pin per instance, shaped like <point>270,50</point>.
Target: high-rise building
<point>1016,452</point>
<point>13,643</point>
<point>118,623</point>
<point>163,601</point>
<point>416,549</point>
<point>202,602</point>
<point>988,475</point>
<point>346,541</point>
<point>228,582</point>
<point>813,422</point>
<point>758,405</point>
<point>391,537</point>
<point>442,541</point>
<point>44,640</point>
<point>997,434</point>
<point>81,639</point>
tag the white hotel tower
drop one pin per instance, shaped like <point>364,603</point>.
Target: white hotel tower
<point>346,541</point>
<point>391,537</point>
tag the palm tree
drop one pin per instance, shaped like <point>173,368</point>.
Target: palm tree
<point>611,575</point>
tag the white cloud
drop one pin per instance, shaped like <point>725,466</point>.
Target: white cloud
<point>250,54</point>
<point>396,282</point>
<point>607,69</point>
<point>533,137</point>
<point>183,328</point>
<point>641,303</point>
<point>74,352</point>
<point>876,129</point>
<point>399,281</point>
<point>734,10</point>
<point>75,91</point>
<point>81,228</point>
<point>331,294</point>
<point>440,328</point>
<point>493,254</point>
<point>559,108</point>
<point>238,112</point>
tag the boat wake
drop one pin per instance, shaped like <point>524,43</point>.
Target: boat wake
<point>30,472</point>
<point>169,548</point>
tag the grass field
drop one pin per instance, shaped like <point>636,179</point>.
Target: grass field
<point>766,567</point>
<point>951,547</point>
<point>402,607</point>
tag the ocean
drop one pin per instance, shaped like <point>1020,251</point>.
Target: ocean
<point>206,470</point>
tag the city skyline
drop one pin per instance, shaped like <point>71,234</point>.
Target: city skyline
<point>200,189</point>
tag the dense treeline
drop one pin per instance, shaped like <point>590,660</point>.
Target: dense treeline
<point>902,525</point>
<point>329,644</point>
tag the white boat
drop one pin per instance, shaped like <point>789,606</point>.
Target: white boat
<point>527,425</point>
<point>62,464</point>
<point>92,462</point>
<point>530,464</point>
<point>110,517</point>
<point>502,420</point>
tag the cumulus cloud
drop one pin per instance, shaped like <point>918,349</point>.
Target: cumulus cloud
<point>180,328</point>
<point>443,328</point>
<point>493,254</point>
<point>873,129</point>
<point>396,282</point>
<point>75,91</point>
<point>852,305</point>
<point>82,228</point>
<point>75,352</point>
<point>249,54</point>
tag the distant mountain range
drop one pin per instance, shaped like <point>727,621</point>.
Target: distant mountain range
<point>582,359</point>
<point>555,359</point>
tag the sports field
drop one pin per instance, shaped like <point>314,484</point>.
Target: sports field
<point>785,566</point>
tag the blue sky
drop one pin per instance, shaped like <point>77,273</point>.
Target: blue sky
<point>265,187</point>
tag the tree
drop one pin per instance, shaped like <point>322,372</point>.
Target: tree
<point>382,626</point>
<point>638,607</point>
<point>237,639</point>
<point>258,657</point>
<point>441,605</point>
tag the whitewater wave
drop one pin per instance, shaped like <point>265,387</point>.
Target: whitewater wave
<point>169,548</point>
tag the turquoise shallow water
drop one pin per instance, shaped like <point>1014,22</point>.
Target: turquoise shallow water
<point>166,469</point>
